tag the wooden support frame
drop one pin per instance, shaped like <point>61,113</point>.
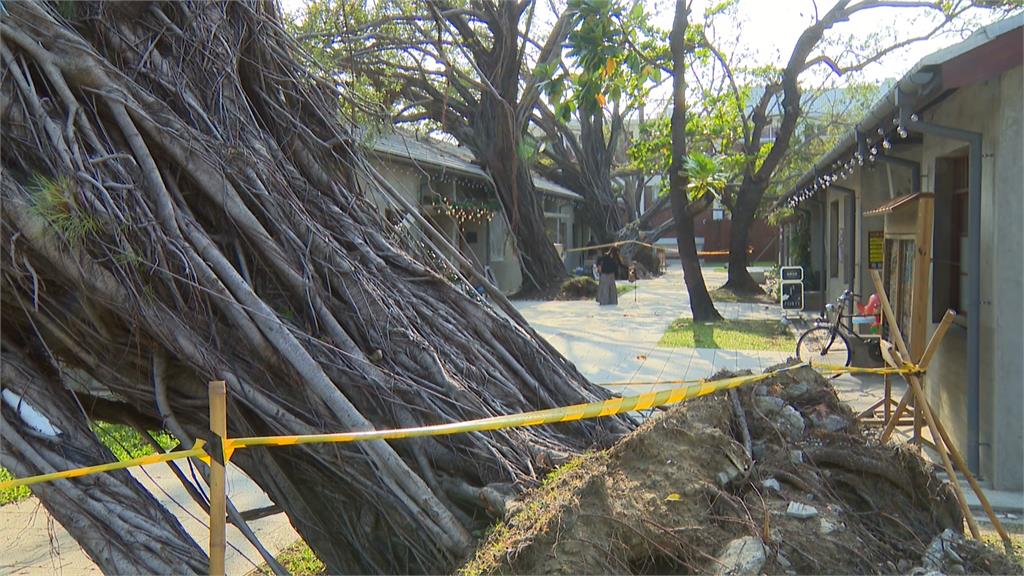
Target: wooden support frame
<point>947,450</point>
<point>218,496</point>
<point>926,359</point>
<point>919,288</point>
<point>920,285</point>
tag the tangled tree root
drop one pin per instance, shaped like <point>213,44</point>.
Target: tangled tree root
<point>680,496</point>
<point>181,204</point>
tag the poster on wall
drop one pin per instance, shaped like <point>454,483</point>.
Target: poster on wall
<point>876,249</point>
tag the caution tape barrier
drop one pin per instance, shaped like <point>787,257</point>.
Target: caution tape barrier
<point>196,451</point>
<point>686,391</point>
<point>616,245</point>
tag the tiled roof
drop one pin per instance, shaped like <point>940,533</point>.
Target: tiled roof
<point>438,154</point>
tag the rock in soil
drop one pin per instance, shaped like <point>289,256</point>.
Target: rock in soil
<point>654,503</point>
<point>801,511</point>
<point>742,556</point>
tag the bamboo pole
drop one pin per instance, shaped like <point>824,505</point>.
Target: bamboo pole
<point>926,359</point>
<point>922,404</point>
<point>218,510</point>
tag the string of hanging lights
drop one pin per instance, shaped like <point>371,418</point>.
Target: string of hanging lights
<point>466,211</point>
<point>866,150</point>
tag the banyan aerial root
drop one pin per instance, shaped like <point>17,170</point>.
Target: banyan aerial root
<point>183,202</point>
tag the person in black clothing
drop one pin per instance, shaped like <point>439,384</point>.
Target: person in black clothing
<point>608,265</point>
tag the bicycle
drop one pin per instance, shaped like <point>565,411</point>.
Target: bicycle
<point>828,342</point>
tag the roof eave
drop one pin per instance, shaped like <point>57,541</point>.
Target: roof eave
<point>924,81</point>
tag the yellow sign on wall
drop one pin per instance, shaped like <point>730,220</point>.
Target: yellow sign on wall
<point>876,249</point>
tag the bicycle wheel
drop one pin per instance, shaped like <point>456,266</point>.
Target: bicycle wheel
<point>818,346</point>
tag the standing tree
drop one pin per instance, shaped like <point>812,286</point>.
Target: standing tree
<point>612,61</point>
<point>465,68</point>
<point>783,90</point>
<point>181,204</point>
<point>701,306</point>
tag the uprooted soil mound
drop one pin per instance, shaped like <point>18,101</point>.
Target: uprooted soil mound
<point>681,496</point>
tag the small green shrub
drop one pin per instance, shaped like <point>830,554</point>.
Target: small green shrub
<point>54,200</point>
<point>126,443</point>
<point>10,495</point>
<point>578,288</point>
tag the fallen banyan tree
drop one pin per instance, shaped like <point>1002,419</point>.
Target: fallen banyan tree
<point>181,203</point>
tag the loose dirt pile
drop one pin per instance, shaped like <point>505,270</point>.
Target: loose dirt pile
<point>681,495</point>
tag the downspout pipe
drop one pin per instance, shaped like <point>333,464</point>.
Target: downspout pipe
<point>910,121</point>
<point>823,271</point>
<point>851,242</point>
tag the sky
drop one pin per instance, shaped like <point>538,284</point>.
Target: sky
<point>766,30</point>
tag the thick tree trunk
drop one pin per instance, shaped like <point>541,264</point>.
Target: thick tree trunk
<point>747,201</point>
<point>701,306</point>
<point>119,524</point>
<point>583,163</point>
<point>176,185</point>
<point>596,174</point>
<point>497,133</point>
<point>497,141</point>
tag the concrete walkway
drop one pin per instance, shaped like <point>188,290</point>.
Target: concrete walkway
<point>611,344</point>
<point>616,344</point>
<point>32,542</point>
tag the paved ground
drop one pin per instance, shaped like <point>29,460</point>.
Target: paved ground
<point>619,343</point>
<point>33,543</point>
<point>613,344</point>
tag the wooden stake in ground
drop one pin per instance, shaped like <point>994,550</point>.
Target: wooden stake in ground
<point>939,437</point>
<point>218,509</point>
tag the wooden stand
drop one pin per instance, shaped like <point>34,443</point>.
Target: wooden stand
<point>218,504</point>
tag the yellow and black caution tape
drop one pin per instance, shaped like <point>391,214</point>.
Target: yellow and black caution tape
<point>196,451</point>
<point>907,368</point>
<point>535,418</point>
<point>609,407</point>
<point>823,368</point>
<point>685,390</point>
<point>617,244</point>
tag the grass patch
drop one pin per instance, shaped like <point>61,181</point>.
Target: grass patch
<point>991,537</point>
<point>11,495</point>
<point>723,295</point>
<point>729,335</point>
<point>624,288</point>
<point>298,559</point>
